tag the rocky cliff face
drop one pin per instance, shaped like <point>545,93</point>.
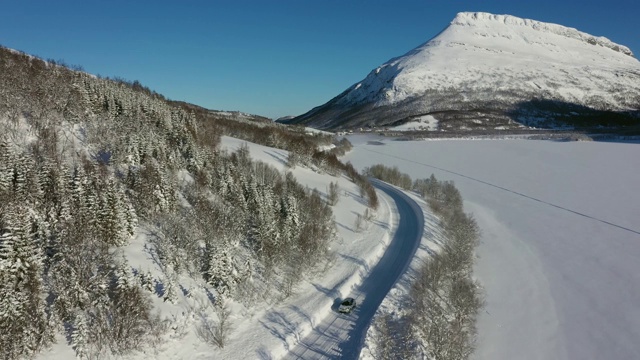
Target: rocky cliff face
<point>495,71</point>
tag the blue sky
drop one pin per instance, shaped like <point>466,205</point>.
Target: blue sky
<point>267,57</point>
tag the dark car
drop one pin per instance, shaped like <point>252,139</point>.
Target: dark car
<point>347,305</point>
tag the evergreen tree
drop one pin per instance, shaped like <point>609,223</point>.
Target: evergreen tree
<point>79,336</point>
<point>6,167</point>
<point>22,309</point>
<point>220,271</point>
<point>289,220</point>
<point>114,223</point>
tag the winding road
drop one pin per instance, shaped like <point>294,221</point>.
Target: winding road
<point>340,336</point>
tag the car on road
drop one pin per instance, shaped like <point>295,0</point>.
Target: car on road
<point>347,305</point>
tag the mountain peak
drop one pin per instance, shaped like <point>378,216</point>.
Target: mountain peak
<point>488,21</point>
<point>495,66</point>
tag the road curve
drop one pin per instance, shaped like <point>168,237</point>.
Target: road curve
<point>340,336</point>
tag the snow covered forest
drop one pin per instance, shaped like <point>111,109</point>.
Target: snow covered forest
<point>88,162</point>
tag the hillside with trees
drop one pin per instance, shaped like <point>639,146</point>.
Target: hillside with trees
<point>86,163</point>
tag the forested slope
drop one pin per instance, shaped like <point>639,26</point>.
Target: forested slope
<point>86,162</point>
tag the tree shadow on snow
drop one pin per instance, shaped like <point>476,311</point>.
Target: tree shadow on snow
<point>279,326</point>
<point>279,157</point>
<point>264,354</point>
<point>359,261</point>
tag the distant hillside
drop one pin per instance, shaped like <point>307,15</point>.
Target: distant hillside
<point>488,71</point>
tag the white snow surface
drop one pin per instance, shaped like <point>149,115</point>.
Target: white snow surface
<point>425,122</point>
<point>559,255</point>
<point>481,51</point>
<point>312,131</point>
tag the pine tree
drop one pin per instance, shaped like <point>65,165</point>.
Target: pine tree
<point>169,291</point>
<point>220,272</point>
<point>19,178</point>
<point>6,167</point>
<point>113,215</point>
<point>132,153</point>
<point>22,315</point>
<point>79,336</point>
<point>131,219</point>
<point>76,185</point>
<point>265,231</point>
<point>290,220</point>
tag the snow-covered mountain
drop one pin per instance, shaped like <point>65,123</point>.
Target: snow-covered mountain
<point>487,71</point>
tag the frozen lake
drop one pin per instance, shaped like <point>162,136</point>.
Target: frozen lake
<point>560,252</point>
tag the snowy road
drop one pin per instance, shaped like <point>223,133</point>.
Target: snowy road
<point>340,336</point>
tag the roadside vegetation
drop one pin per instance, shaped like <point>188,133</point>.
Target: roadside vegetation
<point>444,300</point>
<point>88,163</point>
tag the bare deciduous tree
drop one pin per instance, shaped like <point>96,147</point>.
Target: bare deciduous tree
<point>383,338</point>
<point>358,224</point>
<point>445,301</point>
<point>333,193</point>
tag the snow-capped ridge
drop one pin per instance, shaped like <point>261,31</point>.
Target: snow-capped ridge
<point>512,69</point>
<point>482,19</point>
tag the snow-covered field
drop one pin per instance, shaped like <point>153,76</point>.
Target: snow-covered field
<point>560,253</point>
<point>426,122</point>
